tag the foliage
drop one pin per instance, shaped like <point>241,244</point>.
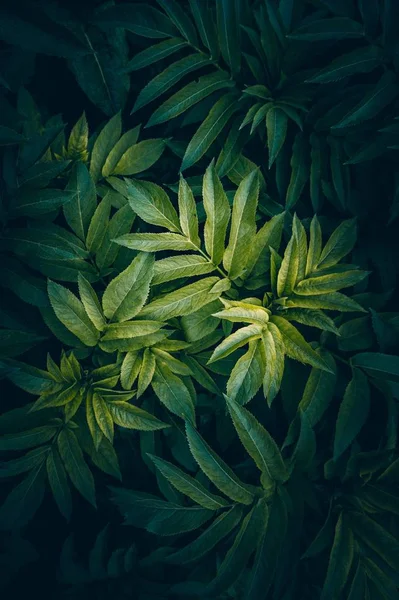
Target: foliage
<point>198,327</point>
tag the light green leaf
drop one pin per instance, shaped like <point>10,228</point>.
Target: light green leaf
<point>276,125</point>
<point>362,60</point>
<point>353,412</point>
<point>340,562</point>
<point>184,301</point>
<point>188,485</point>
<point>146,372</point>
<point>120,223</point>
<point>174,267</point>
<point>217,211</point>
<point>274,351</point>
<point>103,416</point>
<point>269,235</point>
<point>125,295</point>
<point>105,141</point>
<point>173,393</point>
<point>216,469</point>
<point>127,140</point>
<point>315,245</point>
<point>237,311</point>
<point>91,303</point>
<point>169,77</point>
<point>339,244</point>
<point>219,529</point>
<point>236,559</point>
<point>130,369</point>
<point>80,210</point>
<point>139,157</point>
<point>58,483</point>
<point>258,443</point>
<point>188,212</point>
<point>75,465</point>
<point>239,338</point>
<point>321,284</point>
<point>132,417</point>
<point>381,366</point>
<point>130,329</point>
<point>70,311</point>
<point>155,242</point>
<point>247,375</point>
<point>132,344</point>
<point>288,272</point>
<point>296,346</point>
<point>98,225</point>
<point>190,95</point>
<point>209,129</point>
<point>151,203</point>
<point>201,322</point>
<point>155,53</point>
<point>243,226</point>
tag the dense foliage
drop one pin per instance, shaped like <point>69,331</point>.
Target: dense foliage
<point>199,207</point>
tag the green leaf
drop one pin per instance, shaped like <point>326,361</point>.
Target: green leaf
<point>220,528</point>
<point>269,235</point>
<point>70,311</point>
<point>58,483</point>
<point>315,245</point>
<point>332,301</point>
<point>141,19</point>
<point>125,295</point>
<point>184,301</point>
<point>103,416</point>
<point>203,18</point>
<point>377,538</point>
<point>381,366</point>
<point>155,242</point>
<point>299,170</point>
<point>276,125</point>
<point>130,369</point>
<point>258,443</point>
<point>79,139</point>
<point>295,345</point>
<point>24,463</point>
<point>243,312</point>
<point>252,527</point>
<point>120,224</point>
<point>186,265</point>
<point>319,390</point>
<point>216,469</point>
<point>362,60</point>
<point>173,393</point>
<point>146,372</point>
<point>288,272</point>
<point>105,141</point>
<point>139,157</point>
<point>217,211</point>
<point>229,34</point>
<point>168,78</point>
<point>178,519</point>
<point>335,28</point>
<point>209,129</point>
<point>188,485</point>
<point>312,318</point>
<point>75,465</point>
<point>155,53</point>
<point>340,562</point>
<point>239,338</point>
<point>80,210</point>
<point>36,203</point>
<point>274,351</point>
<point>132,417</point>
<point>340,243</point>
<point>353,412</point>
<point>151,203</point>
<point>201,322</point>
<point>127,140</point>
<point>247,375</point>
<point>98,225</point>
<point>373,103</point>
<point>23,501</point>
<point>179,17</point>
<point>188,212</point>
<point>321,284</point>
<point>243,225</point>
<point>91,303</point>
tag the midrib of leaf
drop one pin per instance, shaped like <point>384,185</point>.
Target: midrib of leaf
<point>199,92</point>
<point>137,289</point>
<point>80,319</point>
<point>358,62</point>
<point>203,492</point>
<point>100,70</point>
<point>259,451</point>
<point>181,404</point>
<point>214,125</point>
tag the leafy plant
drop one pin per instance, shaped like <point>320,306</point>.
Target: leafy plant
<point>198,326</point>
